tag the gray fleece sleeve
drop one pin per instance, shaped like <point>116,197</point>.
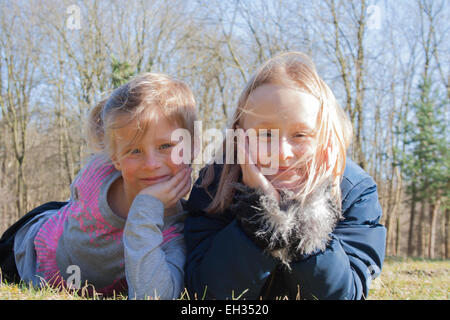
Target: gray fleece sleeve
<point>154,251</point>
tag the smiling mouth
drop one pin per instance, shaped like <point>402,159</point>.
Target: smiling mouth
<point>153,180</point>
<point>286,172</point>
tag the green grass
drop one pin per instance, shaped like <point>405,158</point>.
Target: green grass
<point>401,279</point>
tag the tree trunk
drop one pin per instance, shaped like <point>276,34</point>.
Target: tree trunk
<point>447,231</point>
<point>442,234</point>
<point>21,189</point>
<point>398,238</point>
<point>420,230</point>
<point>434,208</point>
<point>398,193</point>
<point>411,221</point>
<point>389,222</point>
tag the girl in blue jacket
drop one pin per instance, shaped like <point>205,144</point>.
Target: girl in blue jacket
<point>303,225</point>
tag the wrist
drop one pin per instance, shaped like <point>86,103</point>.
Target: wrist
<point>146,205</point>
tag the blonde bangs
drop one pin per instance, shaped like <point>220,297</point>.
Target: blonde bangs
<point>173,97</point>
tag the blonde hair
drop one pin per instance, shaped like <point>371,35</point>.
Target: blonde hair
<point>137,101</point>
<point>333,129</point>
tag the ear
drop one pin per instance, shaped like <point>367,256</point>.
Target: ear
<point>330,156</point>
<point>116,163</point>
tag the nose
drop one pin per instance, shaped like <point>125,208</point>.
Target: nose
<point>286,150</point>
<point>152,161</point>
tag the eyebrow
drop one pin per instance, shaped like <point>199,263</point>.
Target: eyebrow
<point>302,125</point>
<point>298,125</point>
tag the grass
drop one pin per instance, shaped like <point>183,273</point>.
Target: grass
<point>412,279</point>
<point>25,292</point>
<point>401,279</point>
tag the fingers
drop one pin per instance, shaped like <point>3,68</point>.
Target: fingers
<point>172,190</point>
<point>182,185</point>
<point>186,189</point>
<point>244,156</point>
<point>177,178</point>
<point>253,177</point>
<point>251,173</point>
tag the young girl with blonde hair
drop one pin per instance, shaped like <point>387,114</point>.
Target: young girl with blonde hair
<point>123,225</point>
<point>308,230</point>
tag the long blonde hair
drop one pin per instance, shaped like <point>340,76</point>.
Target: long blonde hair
<point>334,129</point>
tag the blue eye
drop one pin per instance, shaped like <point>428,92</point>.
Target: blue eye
<point>165,146</point>
<point>265,134</point>
<point>135,151</point>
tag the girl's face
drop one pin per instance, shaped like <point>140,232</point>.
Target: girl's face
<point>294,114</point>
<point>148,161</point>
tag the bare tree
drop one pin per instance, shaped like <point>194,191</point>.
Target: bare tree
<point>345,46</point>
<point>19,51</point>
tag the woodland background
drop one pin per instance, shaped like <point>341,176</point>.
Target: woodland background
<point>388,63</point>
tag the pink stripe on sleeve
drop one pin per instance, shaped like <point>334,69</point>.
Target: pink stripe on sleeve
<point>169,234</point>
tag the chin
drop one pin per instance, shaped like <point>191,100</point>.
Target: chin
<point>286,186</point>
<point>150,182</point>
<point>292,184</point>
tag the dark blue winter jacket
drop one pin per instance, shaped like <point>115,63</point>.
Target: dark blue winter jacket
<point>223,262</point>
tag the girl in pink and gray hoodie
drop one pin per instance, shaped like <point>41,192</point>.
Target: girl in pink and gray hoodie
<point>122,228</point>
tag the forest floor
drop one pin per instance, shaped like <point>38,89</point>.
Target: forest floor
<point>412,279</point>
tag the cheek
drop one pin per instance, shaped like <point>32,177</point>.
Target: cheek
<point>302,149</point>
<point>129,170</point>
<point>260,152</point>
<point>305,151</point>
<point>264,156</point>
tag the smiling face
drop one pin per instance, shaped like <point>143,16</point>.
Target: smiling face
<point>148,161</point>
<point>294,113</point>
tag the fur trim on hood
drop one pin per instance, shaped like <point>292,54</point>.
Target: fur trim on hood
<point>303,229</point>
